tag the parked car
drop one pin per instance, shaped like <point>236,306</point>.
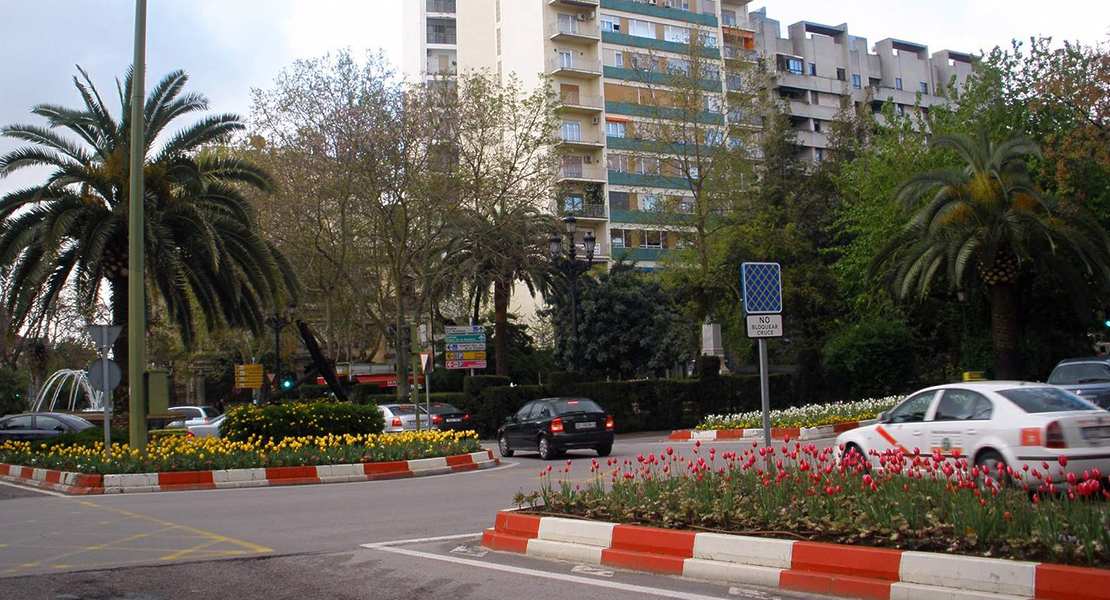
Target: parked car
<point>1087,377</point>
<point>209,429</point>
<point>39,426</point>
<point>552,426</point>
<point>990,423</point>
<point>447,417</point>
<point>196,415</point>
<point>402,417</point>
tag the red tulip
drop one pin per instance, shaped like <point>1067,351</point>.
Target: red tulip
<point>1063,460</point>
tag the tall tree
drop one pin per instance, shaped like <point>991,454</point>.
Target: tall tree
<point>988,215</point>
<point>203,248</point>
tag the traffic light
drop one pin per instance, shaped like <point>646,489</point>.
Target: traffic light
<point>287,381</point>
<point>1104,316</point>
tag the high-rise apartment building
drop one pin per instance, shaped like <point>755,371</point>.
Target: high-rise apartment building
<point>596,53</point>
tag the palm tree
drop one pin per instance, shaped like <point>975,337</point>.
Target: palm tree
<point>988,215</point>
<point>203,249</point>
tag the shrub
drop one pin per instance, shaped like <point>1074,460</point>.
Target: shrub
<point>297,419</point>
<point>13,391</point>
<point>490,410</point>
<point>560,383</point>
<point>708,367</point>
<point>473,386</point>
<point>365,393</point>
<point>86,438</point>
<point>873,358</point>
<point>312,391</point>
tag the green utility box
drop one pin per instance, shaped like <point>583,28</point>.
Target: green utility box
<point>157,391</point>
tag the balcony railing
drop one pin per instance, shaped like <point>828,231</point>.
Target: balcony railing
<point>589,211</point>
<point>441,38</point>
<point>590,3</point>
<point>580,138</point>
<point>576,99</point>
<point>582,172</point>
<point>440,6</point>
<point>738,53</point>
<point>573,28</point>
<point>575,65</point>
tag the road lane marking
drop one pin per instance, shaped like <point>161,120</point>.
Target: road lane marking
<point>441,538</point>
<point>33,489</point>
<point>476,552</point>
<point>588,570</point>
<point>562,577</point>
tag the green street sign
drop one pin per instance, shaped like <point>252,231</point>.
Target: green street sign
<point>456,338</point>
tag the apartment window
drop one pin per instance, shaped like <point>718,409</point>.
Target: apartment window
<point>680,35</point>
<point>897,83</point>
<point>618,59</point>
<point>794,65</point>
<point>573,203</point>
<point>572,131</point>
<point>640,28</point>
<point>611,23</point>
<point>842,75</point>
<point>817,125</point>
<point>818,155</point>
<point>709,40</point>
<point>713,103</point>
<point>728,18</point>
<point>499,76</point>
<point>499,41</point>
<point>647,165</point>
<point>614,129</point>
<point>677,66</point>
<point>812,68</point>
<point>497,6</point>
<point>902,109</point>
<point>651,203</point>
<point>619,200</point>
<point>695,172</point>
<point>814,97</point>
<point>566,59</point>
<point>618,237</point>
<point>711,71</point>
<point>653,239</point>
<point>857,82</point>
<point>713,138</point>
<point>924,88</point>
<point>686,205</point>
<point>617,163</point>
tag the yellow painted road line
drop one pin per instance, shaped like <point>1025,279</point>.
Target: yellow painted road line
<point>234,542</point>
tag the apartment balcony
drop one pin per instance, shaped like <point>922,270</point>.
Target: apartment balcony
<point>583,141</point>
<point>587,173</point>
<point>809,110</point>
<point>569,66</point>
<point>592,4</point>
<point>442,38</point>
<point>440,7</point>
<point>581,103</point>
<point>573,31</point>
<point>595,212</point>
<point>731,52</point>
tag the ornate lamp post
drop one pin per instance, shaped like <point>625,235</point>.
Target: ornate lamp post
<point>961,293</point>
<point>279,321</point>
<point>568,264</point>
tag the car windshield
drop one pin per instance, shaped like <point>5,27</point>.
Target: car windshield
<point>1091,372</point>
<point>406,409</point>
<point>210,411</point>
<point>574,405</point>
<point>78,422</point>
<point>1045,400</point>
<point>441,409</point>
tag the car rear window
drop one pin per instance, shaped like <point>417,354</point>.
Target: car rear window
<point>563,407</point>
<point>1080,373</point>
<point>210,411</point>
<point>1045,400</point>
<point>442,409</point>
<point>407,409</point>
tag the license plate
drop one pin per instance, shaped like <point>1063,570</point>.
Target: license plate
<point>1096,433</point>
<point>586,426</point>
<point>454,420</point>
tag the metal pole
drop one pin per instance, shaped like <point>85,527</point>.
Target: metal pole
<point>104,398</point>
<point>414,356</point>
<point>764,392</point>
<point>574,315</point>
<point>136,301</point>
<point>967,339</point>
<point>277,349</point>
<point>428,371</point>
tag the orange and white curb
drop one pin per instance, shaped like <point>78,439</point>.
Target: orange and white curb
<point>777,433</point>
<point>812,567</point>
<point>82,484</point>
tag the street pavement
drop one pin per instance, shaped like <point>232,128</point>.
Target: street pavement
<point>407,538</point>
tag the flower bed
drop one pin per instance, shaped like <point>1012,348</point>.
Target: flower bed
<point>176,453</point>
<point>813,415</point>
<point>925,503</point>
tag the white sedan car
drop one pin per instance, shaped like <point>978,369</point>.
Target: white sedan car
<point>1020,425</point>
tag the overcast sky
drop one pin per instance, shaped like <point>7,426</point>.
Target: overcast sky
<point>231,46</point>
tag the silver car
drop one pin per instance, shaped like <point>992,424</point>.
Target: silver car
<point>402,417</point>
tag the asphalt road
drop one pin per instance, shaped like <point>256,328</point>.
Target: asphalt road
<point>354,540</point>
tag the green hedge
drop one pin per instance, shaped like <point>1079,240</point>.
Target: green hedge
<point>473,386</point>
<point>488,411</point>
<point>295,419</point>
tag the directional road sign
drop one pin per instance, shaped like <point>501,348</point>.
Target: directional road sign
<point>466,355</point>
<point>96,375</point>
<point>104,335</point>
<point>762,288</point>
<point>466,347</point>
<point>455,338</point>
<point>248,376</point>
<point>764,326</point>
<point>449,329</point>
<point>466,364</point>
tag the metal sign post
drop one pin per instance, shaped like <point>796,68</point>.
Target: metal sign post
<point>105,376</point>
<point>763,305</point>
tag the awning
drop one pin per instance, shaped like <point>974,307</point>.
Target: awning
<point>385,381</point>
<point>618,119</point>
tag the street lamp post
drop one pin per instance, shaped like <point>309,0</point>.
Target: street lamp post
<point>568,264</point>
<point>961,293</point>
<point>279,321</point>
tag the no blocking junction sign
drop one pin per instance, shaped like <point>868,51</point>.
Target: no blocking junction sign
<point>763,305</point>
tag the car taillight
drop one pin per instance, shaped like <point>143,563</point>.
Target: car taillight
<point>557,426</point>
<point>190,435</point>
<point>436,419</point>
<point>396,421</point>
<point>1054,436</point>
<point>609,421</point>
<point>466,417</point>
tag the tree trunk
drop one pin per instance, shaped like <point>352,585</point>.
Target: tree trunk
<point>1004,331</point>
<point>120,399</point>
<point>501,327</point>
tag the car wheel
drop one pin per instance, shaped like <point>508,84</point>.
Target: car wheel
<point>989,462</point>
<point>604,450</point>
<point>865,460</point>
<point>546,453</point>
<point>503,447</point>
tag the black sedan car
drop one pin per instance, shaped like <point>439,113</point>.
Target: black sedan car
<point>447,417</point>
<point>1088,377</point>
<point>39,426</point>
<point>552,426</point>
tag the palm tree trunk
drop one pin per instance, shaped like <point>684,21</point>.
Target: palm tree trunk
<point>118,286</point>
<point>501,327</point>
<point>1004,331</point>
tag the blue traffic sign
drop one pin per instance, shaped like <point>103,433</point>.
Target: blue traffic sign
<point>762,288</point>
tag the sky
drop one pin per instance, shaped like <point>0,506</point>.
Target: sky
<point>229,47</point>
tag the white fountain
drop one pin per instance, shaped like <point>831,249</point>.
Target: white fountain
<point>71,395</point>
